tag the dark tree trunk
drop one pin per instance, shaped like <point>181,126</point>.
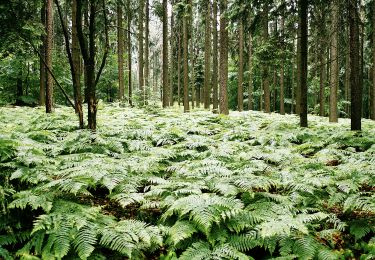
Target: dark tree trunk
<point>42,70</point>
<point>282,90</point>
<point>49,50</point>
<point>356,88</point>
<point>207,57</point>
<point>130,81</point>
<point>303,8</point>
<point>333,113</point>
<point>140,48</point>
<point>215,62</point>
<point>223,58</point>
<point>147,51</point>
<point>372,103</point>
<point>240,66</point>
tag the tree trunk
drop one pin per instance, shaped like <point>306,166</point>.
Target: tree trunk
<point>76,60</point>
<point>49,50</point>
<point>223,58</point>
<point>356,88</point>
<point>240,66</point>
<point>298,90</point>
<point>251,87</point>
<point>372,104</point>
<point>147,50</point>
<point>185,62</point>
<point>282,90</point>
<point>333,113</point>
<point>120,50</point>
<point>265,72</point>
<point>215,61</point>
<point>140,48</point>
<point>130,81</point>
<point>303,7</point>
<point>207,57</point>
<point>179,50</point>
<point>165,55</point>
<point>172,57</point>
<point>42,70</point>
<point>322,83</point>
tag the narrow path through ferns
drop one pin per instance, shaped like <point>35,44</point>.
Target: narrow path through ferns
<point>153,184</point>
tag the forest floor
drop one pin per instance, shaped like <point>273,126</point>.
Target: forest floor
<point>154,182</point>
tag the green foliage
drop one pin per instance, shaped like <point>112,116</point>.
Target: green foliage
<point>161,184</point>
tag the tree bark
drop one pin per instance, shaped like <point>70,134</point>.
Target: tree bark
<point>120,50</point>
<point>333,113</point>
<point>207,57</point>
<point>140,48</point>
<point>303,7</point>
<point>265,72</point>
<point>147,50</point>
<point>223,58</point>
<point>240,66</point>
<point>42,70</point>
<point>49,50</point>
<point>372,104</point>
<point>215,61</point>
<point>282,90</point>
<point>185,62</point>
<point>322,83</point>
<point>172,61</point>
<point>130,80</point>
<point>251,87</point>
<point>356,88</point>
<point>165,55</point>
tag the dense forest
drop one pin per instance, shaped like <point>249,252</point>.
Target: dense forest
<point>187,129</point>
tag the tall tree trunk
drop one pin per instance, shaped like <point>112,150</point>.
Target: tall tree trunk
<point>265,73</point>
<point>130,81</point>
<point>240,66</point>
<point>207,57</point>
<point>49,50</point>
<point>303,7</point>
<point>333,113</point>
<point>356,88</point>
<point>215,61</point>
<point>165,54</point>
<point>172,57</point>
<point>372,104</point>
<point>179,50</point>
<point>76,60</point>
<point>298,90</point>
<point>250,90</point>
<point>282,90</point>
<point>185,62</point>
<point>147,50</point>
<point>223,58</point>
<point>140,47</point>
<point>120,50</point>
<point>322,82</point>
<point>42,70</point>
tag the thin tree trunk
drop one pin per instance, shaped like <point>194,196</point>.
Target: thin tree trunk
<point>223,58</point>
<point>356,88</point>
<point>372,103</point>
<point>48,50</point>
<point>147,51</point>
<point>185,62</point>
<point>207,57</point>
<point>130,81</point>
<point>265,73</point>
<point>76,59</point>
<point>322,82</point>
<point>179,50</point>
<point>215,61</point>
<point>333,113</point>
<point>282,90</point>
<point>140,48</point>
<point>120,50</point>
<point>240,66</point>
<point>298,90</point>
<point>42,71</point>
<point>172,58</point>
<point>251,87</point>
<point>303,7</point>
<point>165,54</point>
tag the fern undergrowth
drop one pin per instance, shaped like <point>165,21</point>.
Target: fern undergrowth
<point>159,184</point>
